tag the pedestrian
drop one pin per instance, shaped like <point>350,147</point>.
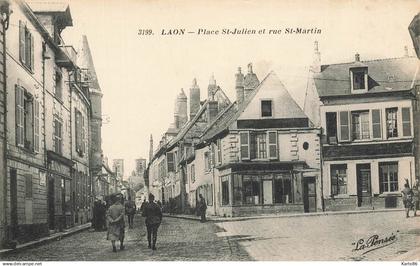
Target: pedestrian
<point>102,216</point>
<point>153,214</point>
<point>159,204</point>
<point>130,211</point>
<point>202,206</point>
<point>95,219</point>
<point>415,198</point>
<point>143,205</point>
<point>116,223</point>
<point>407,195</point>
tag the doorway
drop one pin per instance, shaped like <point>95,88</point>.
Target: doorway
<point>309,194</point>
<point>363,185</point>
<point>267,192</point>
<point>51,203</point>
<point>13,203</point>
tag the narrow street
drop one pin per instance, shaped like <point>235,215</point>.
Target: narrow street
<point>178,239</point>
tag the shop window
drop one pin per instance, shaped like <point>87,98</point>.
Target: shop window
<point>225,191</point>
<point>360,125</point>
<point>391,122</point>
<point>251,189</point>
<point>388,177</point>
<point>338,179</point>
<point>283,189</point>
<point>237,189</point>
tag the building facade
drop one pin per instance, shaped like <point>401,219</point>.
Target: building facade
<point>366,110</point>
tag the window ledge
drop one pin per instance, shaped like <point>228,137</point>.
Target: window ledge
<point>389,194</point>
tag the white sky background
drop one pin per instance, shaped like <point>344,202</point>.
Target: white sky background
<point>140,76</point>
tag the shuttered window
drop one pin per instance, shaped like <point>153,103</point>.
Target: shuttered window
<point>376,124</point>
<point>244,144</point>
<point>170,161</point>
<point>344,126</point>
<point>19,116</point>
<point>406,121</point>
<point>272,145</point>
<point>26,46</point>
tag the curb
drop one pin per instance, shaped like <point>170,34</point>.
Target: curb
<point>47,239</point>
<point>296,215</point>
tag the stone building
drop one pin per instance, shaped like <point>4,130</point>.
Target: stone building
<point>366,110</point>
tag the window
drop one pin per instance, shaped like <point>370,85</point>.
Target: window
<point>272,145</point>
<point>406,121</point>
<point>338,179</point>
<point>283,189</point>
<point>27,120</point>
<point>58,92</point>
<point>207,161</point>
<point>244,141</point>
<point>28,186</point>
<point>237,189</point>
<point>26,46</point>
<point>388,177</point>
<point>192,173</point>
<point>225,190</point>
<point>344,126</point>
<point>251,189</point>
<point>360,125</point>
<point>261,141</point>
<point>331,119</point>
<point>266,108</point>
<point>58,135</point>
<point>170,159</point>
<point>359,80</point>
<point>80,133</point>
<point>391,122</point>
<point>376,124</point>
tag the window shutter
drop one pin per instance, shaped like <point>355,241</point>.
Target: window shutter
<point>32,52</point>
<point>376,124</point>
<point>344,126</point>
<point>170,161</point>
<point>22,41</point>
<point>406,121</point>
<point>244,145</point>
<point>272,145</point>
<point>36,126</point>
<point>252,145</point>
<point>19,116</point>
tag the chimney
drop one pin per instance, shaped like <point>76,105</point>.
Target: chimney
<point>250,82</point>
<point>316,64</point>
<point>212,110</point>
<point>239,87</point>
<point>357,57</point>
<point>211,88</point>
<point>406,51</point>
<point>181,112</point>
<point>194,99</point>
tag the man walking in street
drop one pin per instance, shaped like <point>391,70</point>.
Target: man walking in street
<point>153,215</point>
<point>407,195</point>
<point>130,211</point>
<point>202,206</point>
<point>116,223</point>
<point>415,198</point>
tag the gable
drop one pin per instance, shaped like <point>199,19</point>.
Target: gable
<point>283,105</point>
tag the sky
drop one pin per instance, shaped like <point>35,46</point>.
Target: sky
<point>141,75</point>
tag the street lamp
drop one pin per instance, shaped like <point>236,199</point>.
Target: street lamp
<point>414,29</point>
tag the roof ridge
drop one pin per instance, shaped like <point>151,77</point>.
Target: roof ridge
<point>372,60</point>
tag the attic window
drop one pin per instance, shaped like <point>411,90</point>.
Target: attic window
<point>359,79</point>
<point>266,108</point>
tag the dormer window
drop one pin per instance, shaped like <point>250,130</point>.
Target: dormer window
<point>266,108</point>
<point>359,80</point>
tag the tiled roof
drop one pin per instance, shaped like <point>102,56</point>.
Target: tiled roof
<point>384,75</point>
<point>221,122</point>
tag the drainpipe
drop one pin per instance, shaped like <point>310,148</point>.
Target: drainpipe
<point>47,177</point>
<point>321,171</point>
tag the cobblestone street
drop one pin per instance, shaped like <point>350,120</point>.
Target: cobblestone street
<point>324,237</point>
<point>178,239</point>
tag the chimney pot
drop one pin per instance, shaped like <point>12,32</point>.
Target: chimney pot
<point>250,68</point>
<point>357,57</point>
<point>406,51</point>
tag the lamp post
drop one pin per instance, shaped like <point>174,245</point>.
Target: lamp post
<point>414,29</point>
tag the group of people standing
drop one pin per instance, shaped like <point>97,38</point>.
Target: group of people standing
<point>410,198</point>
<point>116,222</point>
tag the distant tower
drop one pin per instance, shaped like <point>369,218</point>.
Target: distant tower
<point>151,149</point>
<point>194,99</point>
<point>90,81</point>
<point>212,88</point>
<point>316,64</point>
<point>181,112</point>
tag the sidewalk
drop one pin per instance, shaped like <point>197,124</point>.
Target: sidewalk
<point>55,236</point>
<point>280,215</point>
